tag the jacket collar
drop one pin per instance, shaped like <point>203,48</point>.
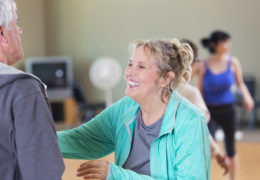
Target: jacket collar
<point>169,121</point>
<point>129,116</point>
<point>169,118</point>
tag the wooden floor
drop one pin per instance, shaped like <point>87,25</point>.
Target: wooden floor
<point>249,162</point>
<point>72,166</point>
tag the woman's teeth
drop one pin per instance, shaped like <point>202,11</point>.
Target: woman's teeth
<point>132,83</point>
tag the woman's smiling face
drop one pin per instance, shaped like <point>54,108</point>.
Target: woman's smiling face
<point>142,76</point>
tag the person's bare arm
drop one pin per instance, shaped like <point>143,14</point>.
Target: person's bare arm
<point>248,101</point>
<point>219,155</point>
<point>200,77</point>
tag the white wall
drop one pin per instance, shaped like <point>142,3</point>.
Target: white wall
<point>32,20</point>
<point>89,29</point>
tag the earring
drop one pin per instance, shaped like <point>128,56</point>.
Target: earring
<point>168,89</point>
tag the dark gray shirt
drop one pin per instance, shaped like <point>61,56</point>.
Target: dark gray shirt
<point>139,157</point>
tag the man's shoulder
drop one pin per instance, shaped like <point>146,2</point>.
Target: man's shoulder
<point>27,83</point>
<point>25,86</point>
<point>16,80</point>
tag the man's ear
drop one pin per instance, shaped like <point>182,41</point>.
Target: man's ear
<point>3,38</point>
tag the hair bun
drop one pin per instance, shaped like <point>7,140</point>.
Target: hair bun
<point>176,43</point>
<point>187,74</point>
<point>205,42</point>
<point>185,54</point>
<point>183,49</point>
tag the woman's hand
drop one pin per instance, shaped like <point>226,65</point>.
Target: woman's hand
<point>248,103</point>
<point>93,169</point>
<point>223,162</point>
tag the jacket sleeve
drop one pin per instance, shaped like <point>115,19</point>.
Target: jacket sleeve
<point>117,172</point>
<point>193,152</point>
<point>37,148</point>
<point>92,140</point>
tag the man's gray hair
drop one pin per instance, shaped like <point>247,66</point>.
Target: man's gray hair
<point>6,15</point>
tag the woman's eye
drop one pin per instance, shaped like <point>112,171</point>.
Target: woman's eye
<point>141,67</point>
<point>130,64</point>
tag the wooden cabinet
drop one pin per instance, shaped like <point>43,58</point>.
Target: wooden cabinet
<point>65,110</point>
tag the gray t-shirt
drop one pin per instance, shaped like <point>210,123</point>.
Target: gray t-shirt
<point>139,157</point>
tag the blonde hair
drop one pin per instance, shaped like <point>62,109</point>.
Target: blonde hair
<point>169,56</point>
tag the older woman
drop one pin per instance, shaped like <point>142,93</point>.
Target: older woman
<point>154,132</point>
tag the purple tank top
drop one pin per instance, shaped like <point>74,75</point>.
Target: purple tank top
<point>217,87</point>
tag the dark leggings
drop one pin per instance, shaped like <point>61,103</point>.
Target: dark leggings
<point>225,117</point>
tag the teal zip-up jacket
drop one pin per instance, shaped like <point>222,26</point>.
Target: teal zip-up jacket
<point>181,151</point>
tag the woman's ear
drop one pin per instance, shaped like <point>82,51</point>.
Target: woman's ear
<point>170,76</point>
<point>167,78</point>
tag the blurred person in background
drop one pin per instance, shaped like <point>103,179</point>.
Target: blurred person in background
<point>154,132</point>
<point>28,142</point>
<point>193,94</point>
<point>217,74</point>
